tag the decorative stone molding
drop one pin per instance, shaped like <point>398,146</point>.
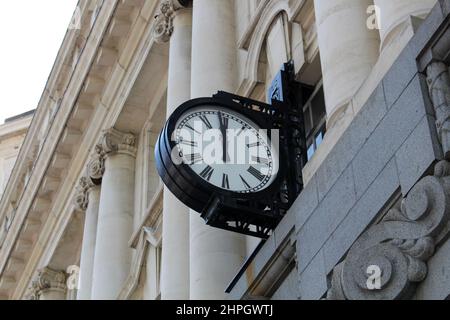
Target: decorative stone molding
<point>96,167</point>
<point>47,279</point>
<point>399,245</point>
<point>438,80</point>
<point>95,170</point>
<point>113,141</point>
<point>81,197</point>
<point>163,27</point>
<point>73,277</point>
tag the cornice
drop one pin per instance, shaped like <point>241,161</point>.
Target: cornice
<point>47,151</point>
<point>135,54</point>
<point>15,128</point>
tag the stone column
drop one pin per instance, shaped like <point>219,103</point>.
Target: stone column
<point>395,14</point>
<point>88,246</point>
<point>88,200</point>
<point>49,285</point>
<point>216,255</point>
<point>115,219</point>
<point>348,50</point>
<point>175,23</point>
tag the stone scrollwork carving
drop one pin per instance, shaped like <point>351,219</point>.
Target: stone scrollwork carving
<point>438,80</point>
<point>114,141</point>
<point>96,167</point>
<point>73,275</point>
<point>81,197</point>
<point>95,170</point>
<point>399,246</point>
<point>47,279</point>
<point>163,27</point>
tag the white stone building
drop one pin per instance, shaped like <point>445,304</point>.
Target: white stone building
<point>84,190</point>
<point>12,133</point>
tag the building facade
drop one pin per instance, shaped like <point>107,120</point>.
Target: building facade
<point>84,214</point>
<point>12,133</point>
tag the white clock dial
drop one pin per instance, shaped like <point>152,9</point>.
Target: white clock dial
<point>226,149</point>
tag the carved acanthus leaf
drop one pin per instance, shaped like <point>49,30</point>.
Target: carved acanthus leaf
<point>399,246</point>
<point>163,26</point>
<point>47,279</point>
<point>81,196</point>
<point>114,141</point>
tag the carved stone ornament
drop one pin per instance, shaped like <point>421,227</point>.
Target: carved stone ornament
<point>73,277</point>
<point>399,246</point>
<point>81,197</point>
<point>438,80</point>
<point>114,141</point>
<point>47,279</point>
<point>163,27</point>
<point>96,167</point>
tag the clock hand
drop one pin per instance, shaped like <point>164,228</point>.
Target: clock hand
<point>223,128</point>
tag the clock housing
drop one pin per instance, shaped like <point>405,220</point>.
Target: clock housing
<point>259,211</point>
<point>181,178</point>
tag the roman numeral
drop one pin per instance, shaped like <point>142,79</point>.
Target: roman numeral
<point>206,122</point>
<point>196,157</point>
<point>240,131</point>
<point>245,183</point>
<point>260,160</point>
<point>225,182</point>
<point>189,143</point>
<point>255,172</point>
<point>207,173</point>
<point>223,121</point>
<point>191,128</point>
<point>255,144</point>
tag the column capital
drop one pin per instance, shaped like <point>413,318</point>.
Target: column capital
<point>163,27</point>
<point>96,166</point>
<point>95,169</point>
<point>114,141</point>
<point>47,279</point>
<point>81,197</point>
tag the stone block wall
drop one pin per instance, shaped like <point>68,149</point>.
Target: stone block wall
<point>353,203</point>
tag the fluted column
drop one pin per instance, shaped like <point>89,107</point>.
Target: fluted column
<point>348,50</point>
<point>394,14</point>
<point>216,255</point>
<point>88,200</point>
<point>176,22</point>
<point>115,219</point>
<point>49,284</point>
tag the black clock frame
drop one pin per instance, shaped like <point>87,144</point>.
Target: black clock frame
<point>258,213</point>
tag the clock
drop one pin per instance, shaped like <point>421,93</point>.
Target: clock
<point>244,160</point>
<point>214,147</point>
<point>236,161</point>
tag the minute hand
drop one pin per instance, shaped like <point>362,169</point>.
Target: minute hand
<point>223,129</point>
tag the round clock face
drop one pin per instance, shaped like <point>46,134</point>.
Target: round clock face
<point>226,149</point>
